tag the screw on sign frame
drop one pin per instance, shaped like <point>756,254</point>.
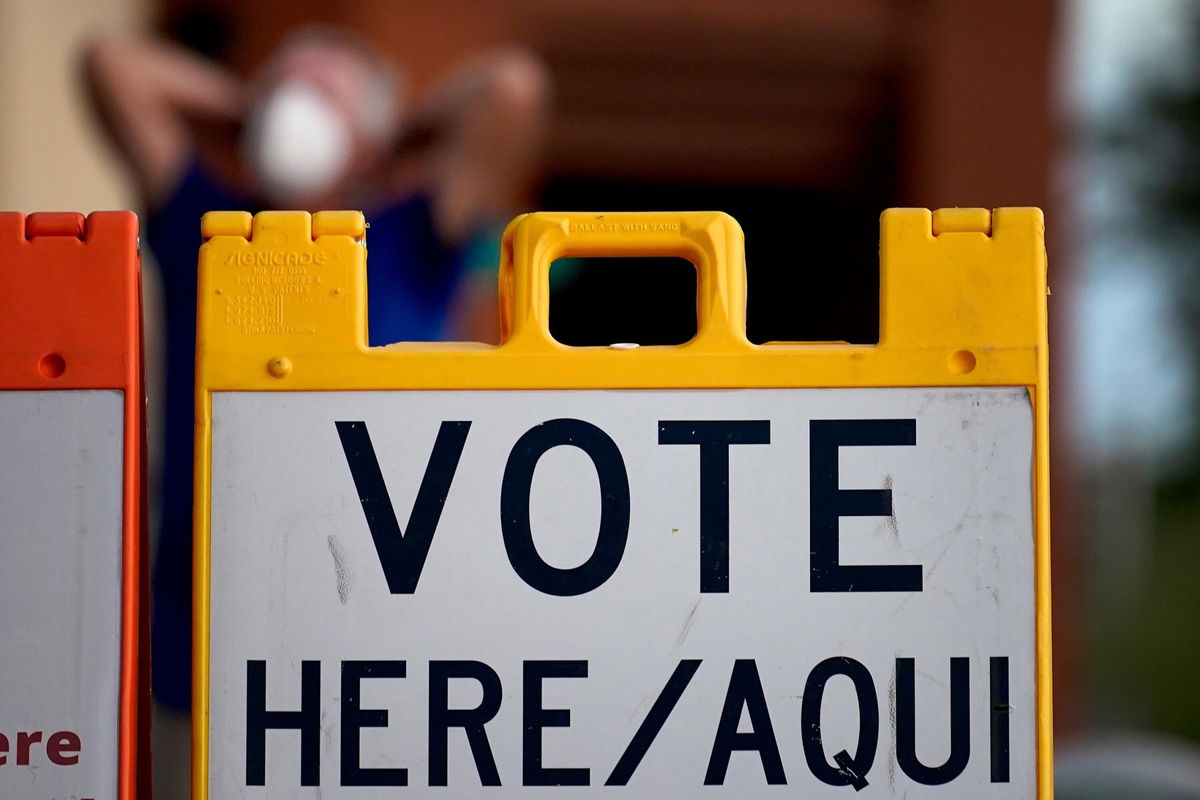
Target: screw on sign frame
<point>379,507</point>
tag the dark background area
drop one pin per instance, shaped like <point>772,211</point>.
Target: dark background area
<point>801,286</point>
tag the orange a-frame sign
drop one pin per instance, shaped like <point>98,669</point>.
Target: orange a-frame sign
<point>73,621</point>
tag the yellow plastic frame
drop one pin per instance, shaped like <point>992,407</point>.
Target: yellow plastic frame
<point>282,307</point>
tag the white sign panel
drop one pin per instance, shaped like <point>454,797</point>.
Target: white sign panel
<point>60,593</point>
<point>752,593</point>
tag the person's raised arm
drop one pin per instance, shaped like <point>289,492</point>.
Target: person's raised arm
<point>483,126</point>
<point>145,93</point>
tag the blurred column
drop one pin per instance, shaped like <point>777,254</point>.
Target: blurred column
<point>979,118</point>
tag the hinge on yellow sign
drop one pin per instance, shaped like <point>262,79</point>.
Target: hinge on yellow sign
<point>323,223</point>
<point>962,220</point>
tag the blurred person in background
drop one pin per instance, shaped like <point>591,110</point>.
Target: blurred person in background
<point>324,124</point>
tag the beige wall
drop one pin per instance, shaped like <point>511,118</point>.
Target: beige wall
<point>51,157</point>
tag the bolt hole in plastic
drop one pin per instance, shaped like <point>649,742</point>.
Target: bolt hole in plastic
<point>52,365</point>
<point>962,362</point>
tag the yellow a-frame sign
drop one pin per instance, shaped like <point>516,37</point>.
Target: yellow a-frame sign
<point>718,567</point>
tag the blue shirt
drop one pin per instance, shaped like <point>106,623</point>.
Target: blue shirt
<point>411,276</point>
